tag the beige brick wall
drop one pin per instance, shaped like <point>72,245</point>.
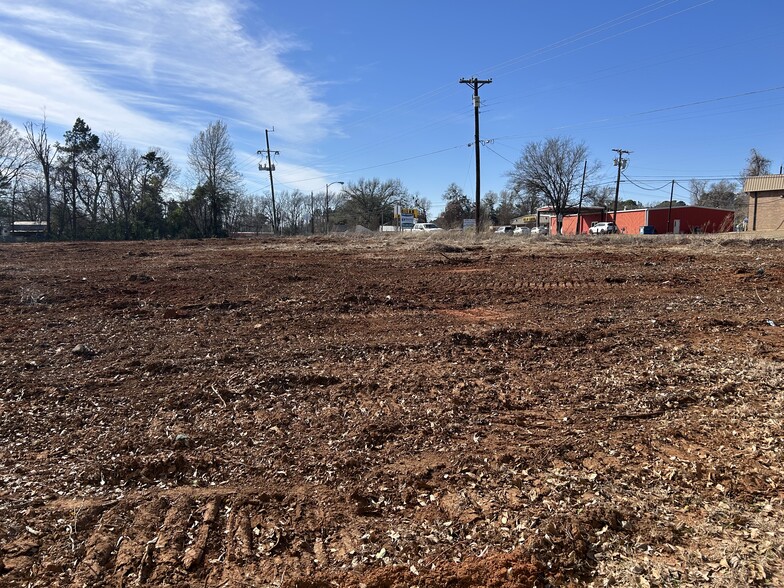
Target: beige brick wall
<point>770,210</point>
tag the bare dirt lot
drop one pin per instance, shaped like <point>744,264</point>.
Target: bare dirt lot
<point>392,412</point>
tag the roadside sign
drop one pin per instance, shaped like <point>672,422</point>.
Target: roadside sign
<point>469,223</point>
<point>401,211</point>
<point>407,221</point>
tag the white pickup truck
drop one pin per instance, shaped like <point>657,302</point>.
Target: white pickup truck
<point>426,227</point>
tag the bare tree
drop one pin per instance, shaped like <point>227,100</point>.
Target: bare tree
<point>15,157</point>
<point>507,209</point>
<point>697,189</point>
<point>458,207</point>
<point>45,154</point>
<point>723,194</point>
<point>489,211</point>
<point>93,193</point>
<point>29,202</point>
<point>423,205</point>
<point>127,170</point>
<point>367,200</point>
<point>292,208</point>
<point>756,165</point>
<point>600,196</point>
<point>212,160</point>
<point>551,170</point>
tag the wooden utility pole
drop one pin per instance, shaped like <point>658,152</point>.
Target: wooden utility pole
<point>271,167</point>
<point>669,212</point>
<point>476,84</point>
<point>621,163</point>
<point>577,230</point>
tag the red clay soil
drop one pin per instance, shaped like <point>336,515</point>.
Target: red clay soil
<point>389,412</point>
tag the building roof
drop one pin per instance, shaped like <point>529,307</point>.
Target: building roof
<point>763,183</point>
<point>28,227</point>
<point>572,209</point>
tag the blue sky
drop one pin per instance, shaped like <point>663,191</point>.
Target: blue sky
<point>360,89</point>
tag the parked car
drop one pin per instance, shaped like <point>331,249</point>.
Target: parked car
<point>426,227</point>
<point>506,229</point>
<point>602,228</point>
<point>522,231</point>
<point>540,230</point>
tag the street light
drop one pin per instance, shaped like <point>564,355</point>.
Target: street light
<point>326,202</point>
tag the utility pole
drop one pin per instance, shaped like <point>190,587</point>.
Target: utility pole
<point>476,84</point>
<point>577,229</point>
<point>669,212</point>
<point>621,163</point>
<point>270,167</point>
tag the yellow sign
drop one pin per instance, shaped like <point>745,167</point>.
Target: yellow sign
<point>414,211</point>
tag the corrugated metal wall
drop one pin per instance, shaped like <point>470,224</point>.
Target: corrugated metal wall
<point>763,184</point>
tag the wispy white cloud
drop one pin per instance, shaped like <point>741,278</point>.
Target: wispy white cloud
<point>155,71</point>
<point>34,84</point>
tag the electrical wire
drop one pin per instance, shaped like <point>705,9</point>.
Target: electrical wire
<point>347,172</point>
<point>656,110</point>
<point>583,34</point>
<point>503,69</point>
<point>636,66</point>
<point>559,44</point>
<point>700,102</point>
<point>643,187</point>
<point>427,96</point>
<point>499,155</point>
<point>612,36</point>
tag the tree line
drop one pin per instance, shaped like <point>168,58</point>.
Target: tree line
<point>86,186</point>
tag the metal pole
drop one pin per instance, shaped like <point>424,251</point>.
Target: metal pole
<point>326,199</point>
<point>326,209</point>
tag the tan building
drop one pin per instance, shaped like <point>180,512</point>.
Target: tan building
<point>766,202</point>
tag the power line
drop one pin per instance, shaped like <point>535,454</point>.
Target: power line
<point>581,35</point>
<point>643,187</point>
<point>352,171</point>
<point>612,36</point>
<point>635,66</point>
<point>498,154</point>
<point>700,102</point>
<point>647,112</point>
<point>427,96</point>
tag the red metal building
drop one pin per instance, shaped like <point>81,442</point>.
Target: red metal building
<point>678,220</point>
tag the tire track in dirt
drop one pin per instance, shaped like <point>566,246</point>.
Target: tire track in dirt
<point>198,537</point>
<point>151,542</point>
<point>510,283</point>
